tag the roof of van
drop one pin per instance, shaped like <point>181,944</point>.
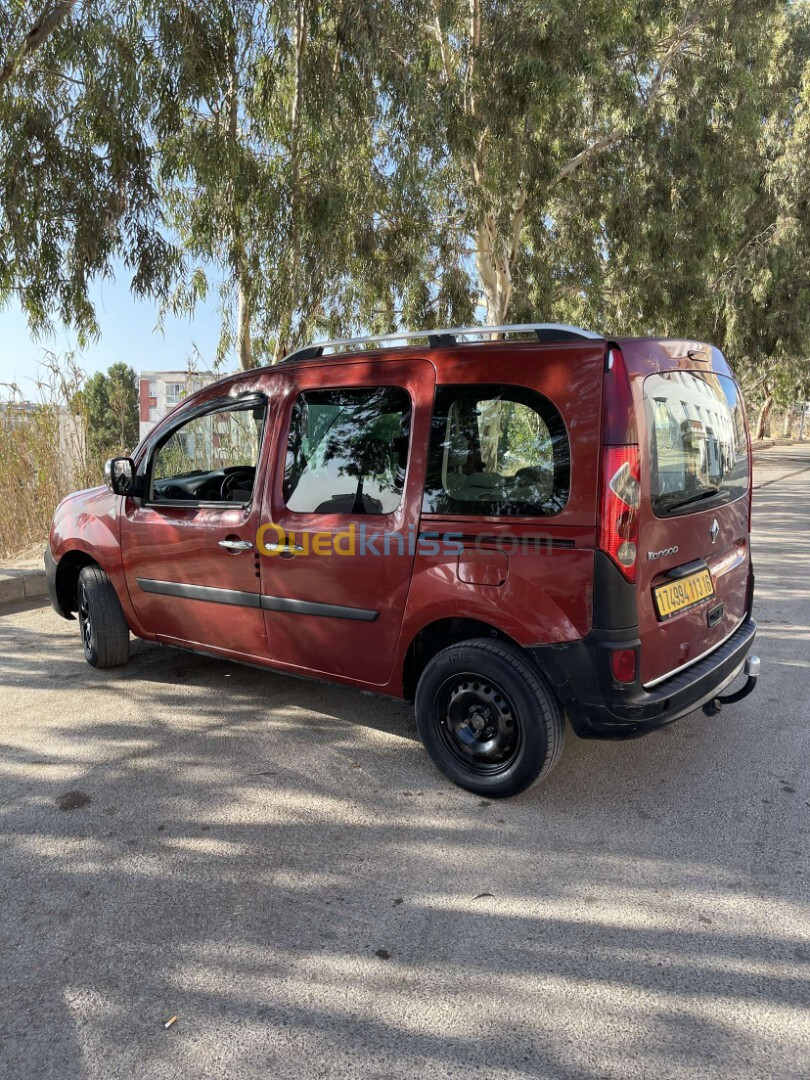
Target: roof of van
<point>443,346</point>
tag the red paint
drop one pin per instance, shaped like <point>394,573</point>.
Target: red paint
<point>661,643</point>
<point>483,568</point>
<point>358,651</point>
<point>145,402</point>
<point>529,578</point>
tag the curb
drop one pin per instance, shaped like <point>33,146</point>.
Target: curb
<point>17,585</point>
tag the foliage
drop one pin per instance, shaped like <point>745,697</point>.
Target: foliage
<point>702,229</point>
<point>333,166</point>
<point>109,404</point>
<point>77,182</point>
<point>44,453</point>
<point>266,163</point>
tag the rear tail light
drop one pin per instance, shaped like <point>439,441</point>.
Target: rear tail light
<point>618,521</point>
<point>618,413</point>
<point>623,665</point>
<point>621,469</point>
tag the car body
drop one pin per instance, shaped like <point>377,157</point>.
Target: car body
<point>582,503</point>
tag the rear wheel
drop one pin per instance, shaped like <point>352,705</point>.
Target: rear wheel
<point>103,628</point>
<point>487,719</point>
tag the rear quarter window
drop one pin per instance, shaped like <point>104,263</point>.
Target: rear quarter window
<point>496,451</point>
<point>698,449</point>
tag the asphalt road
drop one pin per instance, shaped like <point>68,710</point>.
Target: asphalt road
<point>278,865</point>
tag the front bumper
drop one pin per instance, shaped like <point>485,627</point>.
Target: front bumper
<point>600,707</point>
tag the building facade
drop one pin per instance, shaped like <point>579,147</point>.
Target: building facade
<point>160,391</point>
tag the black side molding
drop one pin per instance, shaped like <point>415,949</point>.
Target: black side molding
<point>200,592</point>
<point>255,600</point>
<point>310,607</point>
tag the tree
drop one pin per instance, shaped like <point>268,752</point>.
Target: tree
<point>513,102</point>
<point>77,182</point>
<point>700,229</point>
<point>109,406</point>
<point>340,166</point>
<point>267,161</point>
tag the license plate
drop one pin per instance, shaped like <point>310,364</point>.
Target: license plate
<point>676,596</point>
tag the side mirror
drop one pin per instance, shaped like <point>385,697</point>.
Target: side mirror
<point>119,475</point>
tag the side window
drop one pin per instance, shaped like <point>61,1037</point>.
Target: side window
<point>496,450</point>
<point>212,457</point>
<point>347,451</point>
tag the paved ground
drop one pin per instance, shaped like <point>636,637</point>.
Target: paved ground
<point>278,865</point>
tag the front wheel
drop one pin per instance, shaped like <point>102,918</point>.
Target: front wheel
<point>487,719</point>
<point>104,630</point>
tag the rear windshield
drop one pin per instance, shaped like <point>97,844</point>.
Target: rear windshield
<point>698,448</point>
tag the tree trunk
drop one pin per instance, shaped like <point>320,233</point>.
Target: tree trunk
<point>787,427</point>
<point>238,255</point>
<point>294,164</point>
<point>496,257</point>
<point>764,417</point>
<point>244,348</point>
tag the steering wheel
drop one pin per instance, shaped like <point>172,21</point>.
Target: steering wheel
<point>231,481</point>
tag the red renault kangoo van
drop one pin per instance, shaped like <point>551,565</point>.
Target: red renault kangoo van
<point>542,524</point>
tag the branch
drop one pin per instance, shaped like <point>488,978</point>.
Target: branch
<point>518,217</point>
<point>675,46</point>
<point>474,48</point>
<point>49,20</point>
<point>436,30</point>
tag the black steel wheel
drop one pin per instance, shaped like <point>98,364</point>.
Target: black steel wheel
<point>85,619</point>
<point>478,723</point>
<point>102,626</point>
<point>487,718</point>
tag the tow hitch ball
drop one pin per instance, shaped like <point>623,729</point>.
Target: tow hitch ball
<point>751,669</point>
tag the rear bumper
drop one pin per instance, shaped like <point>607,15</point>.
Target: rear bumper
<point>600,707</point>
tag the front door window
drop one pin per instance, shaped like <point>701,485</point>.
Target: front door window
<point>212,457</point>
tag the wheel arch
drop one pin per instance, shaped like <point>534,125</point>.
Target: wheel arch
<point>437,635</point>
<point>68,568</point>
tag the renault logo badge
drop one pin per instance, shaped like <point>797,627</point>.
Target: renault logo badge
<point>714,531</point>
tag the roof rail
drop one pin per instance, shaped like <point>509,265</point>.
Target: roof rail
<point>546,332</point>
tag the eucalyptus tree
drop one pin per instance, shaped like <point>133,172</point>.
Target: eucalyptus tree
<point>337,165</point>
<point>513,104</point>
<point>189,141</point>
<point>267,160</point>
<point>701,227</point>
<point>77,181</point>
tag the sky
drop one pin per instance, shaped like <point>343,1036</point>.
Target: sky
<point>128,334</point>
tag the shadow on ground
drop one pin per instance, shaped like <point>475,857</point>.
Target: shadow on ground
<point>277,863</point>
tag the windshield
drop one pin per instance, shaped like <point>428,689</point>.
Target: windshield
<point>698,447</point>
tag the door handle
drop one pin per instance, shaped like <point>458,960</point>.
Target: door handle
<point>236,545</point>
<point>285,547</point>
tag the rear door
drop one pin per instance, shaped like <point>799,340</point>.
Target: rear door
<point>694,515</point>
<point>342,514</point>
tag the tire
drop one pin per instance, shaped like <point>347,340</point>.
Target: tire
<point>103,628</point>
<point>487,719</point>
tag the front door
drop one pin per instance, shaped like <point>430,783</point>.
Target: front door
<point>344,501</point>
<point>189,547</point>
